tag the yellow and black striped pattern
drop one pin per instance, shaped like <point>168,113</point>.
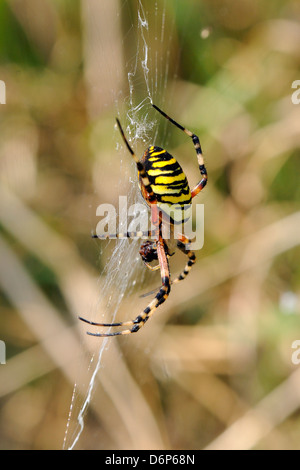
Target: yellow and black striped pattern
<point>168,183</point>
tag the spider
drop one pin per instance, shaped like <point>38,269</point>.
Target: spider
<point>164,186</point>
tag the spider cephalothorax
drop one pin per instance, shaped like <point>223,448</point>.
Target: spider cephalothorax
<point>148,251</point>
<point>165,189</point>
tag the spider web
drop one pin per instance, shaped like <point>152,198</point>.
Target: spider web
<point>148,35</point>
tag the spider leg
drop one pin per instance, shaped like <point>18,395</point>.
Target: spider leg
<point>144,316</point>
<point>183,246</point>
<point>140,167</point>
<point>139,234</point>
<point>163,293</point>
<point>199,186</point>
<point>146,252</point>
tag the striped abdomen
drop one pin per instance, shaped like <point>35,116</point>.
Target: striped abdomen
<point>168,183</point>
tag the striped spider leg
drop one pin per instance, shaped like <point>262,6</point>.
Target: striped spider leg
<point>161,296</point>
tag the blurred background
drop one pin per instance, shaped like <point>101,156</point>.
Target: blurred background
<point>217,366</point>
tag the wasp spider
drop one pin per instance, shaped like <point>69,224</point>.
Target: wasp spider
<point>164,187</point>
